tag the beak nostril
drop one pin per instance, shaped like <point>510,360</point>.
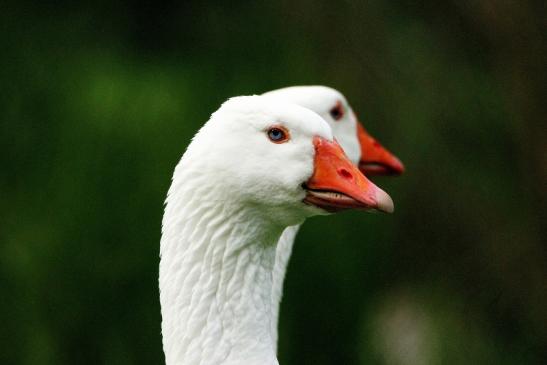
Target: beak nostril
<point>345,173</point>
<point>376,144</point>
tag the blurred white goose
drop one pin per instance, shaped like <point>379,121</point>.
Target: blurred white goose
<point>256,167</point>
<point>361,148</point>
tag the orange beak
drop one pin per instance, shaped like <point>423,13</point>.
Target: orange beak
<point>337,184</point>
<point>375,159</point>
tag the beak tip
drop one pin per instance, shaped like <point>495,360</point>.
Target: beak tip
<point>384,202</point>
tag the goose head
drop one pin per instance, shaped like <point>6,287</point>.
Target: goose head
<point>279,158</point>
<point>362,149</point>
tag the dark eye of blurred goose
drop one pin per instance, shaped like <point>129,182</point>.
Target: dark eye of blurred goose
<point>278,134</point>
<point>337,111</point>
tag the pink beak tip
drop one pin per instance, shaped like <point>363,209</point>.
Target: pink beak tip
<point>384,201</point>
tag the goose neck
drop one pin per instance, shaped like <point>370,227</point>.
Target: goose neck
<point>216,285</point>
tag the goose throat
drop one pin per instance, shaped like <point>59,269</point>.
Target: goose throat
<point>216,286</point>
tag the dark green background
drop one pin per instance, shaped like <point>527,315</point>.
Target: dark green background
<point>98,101</point>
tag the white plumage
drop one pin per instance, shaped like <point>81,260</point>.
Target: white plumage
<point>232,195</point>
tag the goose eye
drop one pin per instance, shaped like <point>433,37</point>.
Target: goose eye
<point>337,111</point>
<point>278,134</point>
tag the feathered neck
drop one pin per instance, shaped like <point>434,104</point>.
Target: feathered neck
<point>282,257</point>
<point>216,267</point>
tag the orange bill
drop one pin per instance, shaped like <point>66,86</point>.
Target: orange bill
<point>337,184</point>
<point>375,159</point>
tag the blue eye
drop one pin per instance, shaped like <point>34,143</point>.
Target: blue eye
<point>278,134</point>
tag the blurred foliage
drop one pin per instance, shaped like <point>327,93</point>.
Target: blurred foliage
<point>99,100</point>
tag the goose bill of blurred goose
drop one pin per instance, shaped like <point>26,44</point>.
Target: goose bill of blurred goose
<point>361,148</point>
<point>256,167</point>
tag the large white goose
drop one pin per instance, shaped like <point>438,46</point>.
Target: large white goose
<point>256,167</point>
<point>361,148</point>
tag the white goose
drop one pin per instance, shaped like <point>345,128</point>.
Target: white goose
<point>361,148</point>
<point>256,167</point>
